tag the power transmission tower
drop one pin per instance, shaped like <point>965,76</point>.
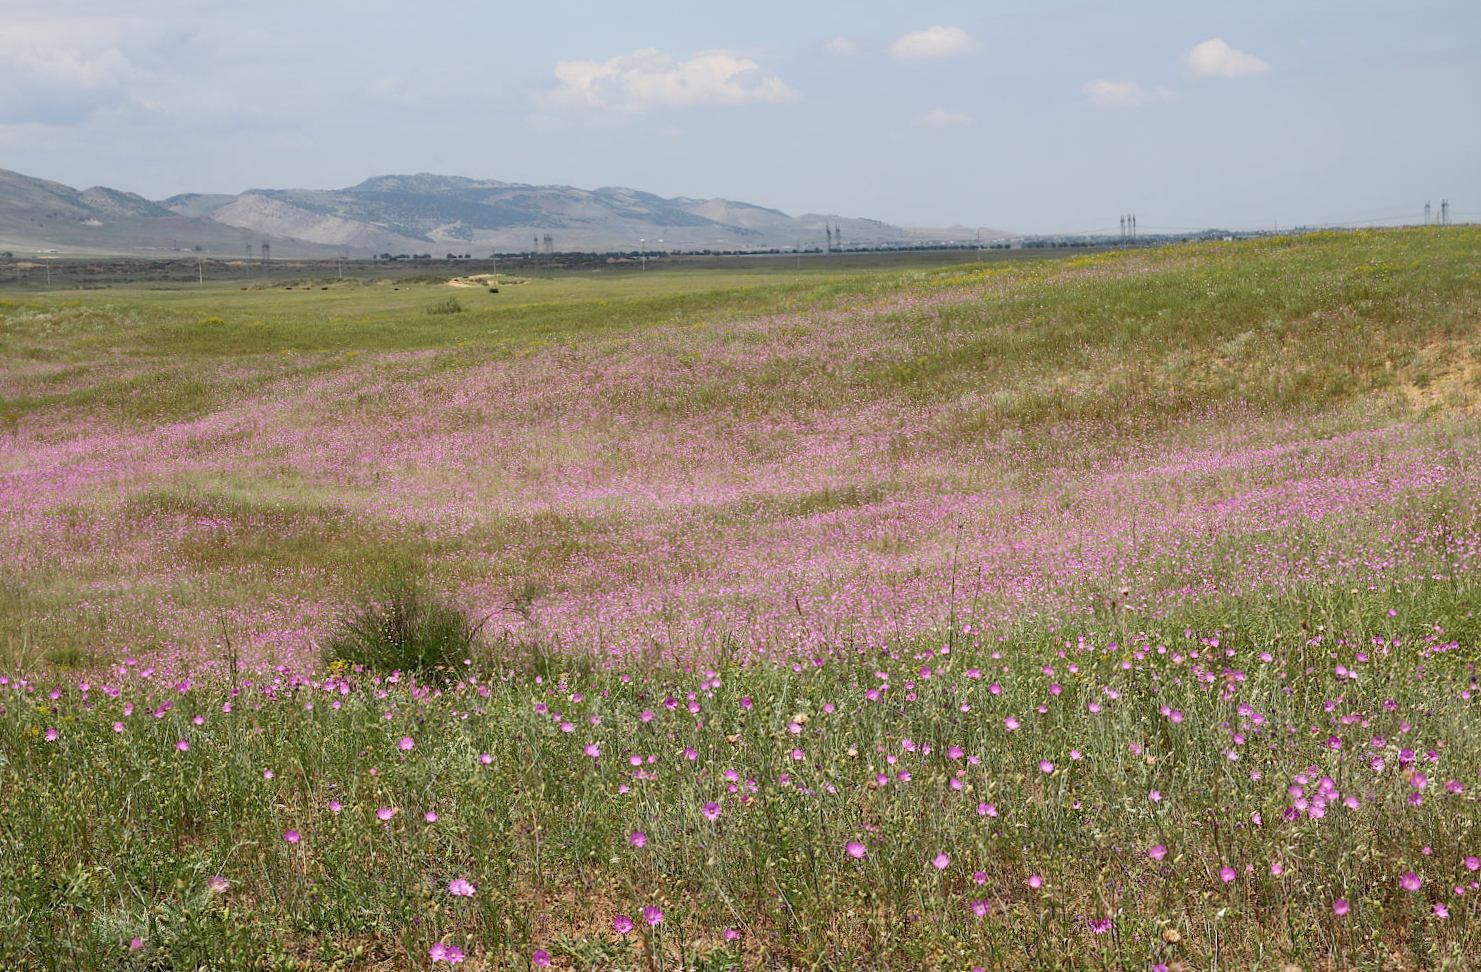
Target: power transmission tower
<point>266,255</point>
<point>1426,212</point>
<point>1444,212</point>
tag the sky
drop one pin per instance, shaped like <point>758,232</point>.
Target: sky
<point>1037,116</point>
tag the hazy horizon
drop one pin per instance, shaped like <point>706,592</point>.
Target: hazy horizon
<point>1026,117</point>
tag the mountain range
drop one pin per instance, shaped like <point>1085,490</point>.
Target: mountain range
<point>416,214</point>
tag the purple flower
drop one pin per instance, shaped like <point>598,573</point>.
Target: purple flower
<point>450,954</point>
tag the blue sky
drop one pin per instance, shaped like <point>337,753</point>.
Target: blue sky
<point>1031,116</point>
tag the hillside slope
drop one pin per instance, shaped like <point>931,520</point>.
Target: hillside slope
<point>421,213</point>
<point>38,215</point>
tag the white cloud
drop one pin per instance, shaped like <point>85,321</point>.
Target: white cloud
<point>942,118</point>
<point>65,64</point>
<point>650,78</point>
<point>50,72</point>
<point>1123,94</point>
<point>933,42</point>
<point>1216,59</point>
<point>841,47</point>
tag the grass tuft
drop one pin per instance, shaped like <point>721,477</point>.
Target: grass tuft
<point>403,627</point>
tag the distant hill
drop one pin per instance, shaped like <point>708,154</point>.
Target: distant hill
<point>417,213</point>
<point>39,215</point>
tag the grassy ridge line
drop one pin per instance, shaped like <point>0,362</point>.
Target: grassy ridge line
<point>922,391</point>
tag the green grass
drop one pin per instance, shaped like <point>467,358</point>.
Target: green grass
<point>108,836</point>
<point>1174,431</point>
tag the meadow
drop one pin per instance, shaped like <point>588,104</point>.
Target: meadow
<point>1108,612</point>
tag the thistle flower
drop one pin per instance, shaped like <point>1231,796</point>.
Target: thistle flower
<point>450,954</point>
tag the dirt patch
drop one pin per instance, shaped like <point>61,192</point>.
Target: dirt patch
<point>1445,377</point>
<point>484,280</point>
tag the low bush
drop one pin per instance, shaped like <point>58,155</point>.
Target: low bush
<point>405,628</point>
<point>448,306</point>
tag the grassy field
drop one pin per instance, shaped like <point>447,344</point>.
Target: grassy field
<point>1108,612</point>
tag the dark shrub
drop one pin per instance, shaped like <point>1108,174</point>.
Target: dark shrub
<point>449,306</point>
<point>405,628</point>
